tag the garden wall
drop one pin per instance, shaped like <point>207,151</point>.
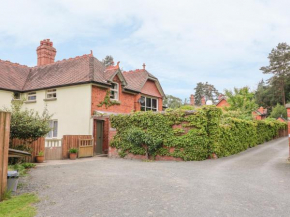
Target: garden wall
<point>186,135</point>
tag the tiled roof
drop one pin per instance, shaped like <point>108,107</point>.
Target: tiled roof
<point>12,75</point>
<point>136,79</point>
<point>76,70</point>
<point>80,69</point>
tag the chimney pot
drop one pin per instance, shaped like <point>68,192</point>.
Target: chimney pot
<point>45,53</point>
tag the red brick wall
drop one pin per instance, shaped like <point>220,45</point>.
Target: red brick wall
<point>150,89</point>
<point>129,102</point>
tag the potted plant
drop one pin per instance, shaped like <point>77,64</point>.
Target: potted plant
<point>73,153</point>
<point>40,157</point>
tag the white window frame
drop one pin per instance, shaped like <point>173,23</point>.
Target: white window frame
<point>116,92</point>
<point>31,94</point>
<point>145,104</point>
<point>50,94</point>
<point>53,133</point>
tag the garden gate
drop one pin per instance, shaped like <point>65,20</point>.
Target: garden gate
<point>53,149</point>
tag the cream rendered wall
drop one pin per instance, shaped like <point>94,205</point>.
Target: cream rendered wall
<point>5,99</point>
<point>72,108</point>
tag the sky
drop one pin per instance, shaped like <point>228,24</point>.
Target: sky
<point>223,42</point>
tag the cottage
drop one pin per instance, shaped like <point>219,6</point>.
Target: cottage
<point>76,89</point>
<point>260,113</point>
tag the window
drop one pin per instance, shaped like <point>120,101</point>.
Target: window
<point>53,124</point>
<point>149,104</point>
<point>31,96</point>
<point>16,96</point>
<point>114,91</point>
<point>51,94</point>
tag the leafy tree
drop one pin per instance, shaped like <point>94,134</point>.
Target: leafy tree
<point>279,66</point>
<point>172,102</point>
<point>207,90</point>
<point>108,61</point>
<point>279,111</point>
<point>28,125</point>
<point>241,100</point>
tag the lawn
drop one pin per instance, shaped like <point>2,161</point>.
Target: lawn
<point>19,206</point>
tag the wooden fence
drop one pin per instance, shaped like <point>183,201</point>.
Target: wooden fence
<point>71,141</point>
<point>4,147</point>
<point>36,147</point>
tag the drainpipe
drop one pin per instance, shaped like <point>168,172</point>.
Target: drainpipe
<point>288,120</point>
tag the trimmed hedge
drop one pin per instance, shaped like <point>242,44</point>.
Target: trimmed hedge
<point>193,135</point>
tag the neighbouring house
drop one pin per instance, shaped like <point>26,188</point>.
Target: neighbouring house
<point>260,113</point>
<point>222,102</point>
<point>281,119</point>
<point>77,90</point>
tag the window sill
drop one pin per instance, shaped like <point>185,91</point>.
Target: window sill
<point>30,101</point>
<point>115,100</point>
<point>52,99</point>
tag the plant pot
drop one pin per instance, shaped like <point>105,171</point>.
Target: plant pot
<point>73,156</point>
<point>39,159</point>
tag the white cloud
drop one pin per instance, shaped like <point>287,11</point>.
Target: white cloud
<point>182,42</point>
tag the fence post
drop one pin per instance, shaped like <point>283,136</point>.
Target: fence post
<point>288,120</point>
<point>4,147</point>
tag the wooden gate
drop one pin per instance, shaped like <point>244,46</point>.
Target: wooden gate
<point>86,148</point>
<point>53,149</point>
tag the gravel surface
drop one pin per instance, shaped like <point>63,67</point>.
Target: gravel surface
<point>252,183</point>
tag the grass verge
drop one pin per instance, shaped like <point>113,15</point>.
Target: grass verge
<point>19,206</point>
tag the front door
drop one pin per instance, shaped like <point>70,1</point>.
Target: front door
<point>99,140</point>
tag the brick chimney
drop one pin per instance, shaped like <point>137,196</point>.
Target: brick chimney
<point>192,100</point>
<point>203,101</point>
<point>45,53</point>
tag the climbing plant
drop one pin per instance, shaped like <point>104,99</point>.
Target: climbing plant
<point>107,101</point>
<point>190,135</point>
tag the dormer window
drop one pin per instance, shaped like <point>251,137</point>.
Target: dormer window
<point>31,96</point>
<point>51,94</point>
<point>114,91</point>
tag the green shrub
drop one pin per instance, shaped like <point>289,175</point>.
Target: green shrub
<point>73,150</point>
<point>28,165</point>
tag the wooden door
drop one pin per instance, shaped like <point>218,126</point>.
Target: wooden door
<point>99,139</point>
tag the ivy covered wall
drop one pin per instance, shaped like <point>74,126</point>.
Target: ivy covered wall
<point>189,135</point>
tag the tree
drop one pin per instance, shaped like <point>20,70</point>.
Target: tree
<point>205,90</point>
<point>242,100</point>
<point>279,111</point>
<point>28,125</point>
<point>279,66</point>
<point>108,61</point>
<point>172,102</point>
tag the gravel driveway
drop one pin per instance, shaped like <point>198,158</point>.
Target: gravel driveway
<point>253,183</point>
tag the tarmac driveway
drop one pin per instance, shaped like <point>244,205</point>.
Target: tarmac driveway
<point>253,183</point>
